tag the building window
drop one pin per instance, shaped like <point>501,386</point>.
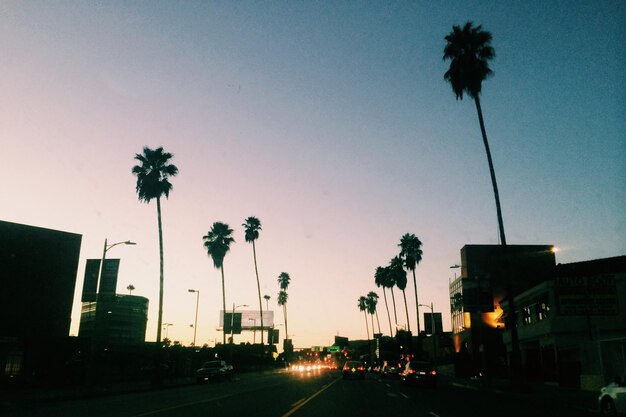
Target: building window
<point>13,366</point>
<point>526,317</point>
<point>543,309</point>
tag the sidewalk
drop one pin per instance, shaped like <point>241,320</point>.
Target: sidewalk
<point>14,397</point>
<point>580,399</point>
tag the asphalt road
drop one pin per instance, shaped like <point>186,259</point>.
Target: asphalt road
<point>312,394</point>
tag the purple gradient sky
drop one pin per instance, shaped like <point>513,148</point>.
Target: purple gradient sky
<point>331,122</point>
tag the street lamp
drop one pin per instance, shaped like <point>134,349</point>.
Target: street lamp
<point>104,254</point>
<point>195,325</point>
<point>101,272</point>
<point>167,327</point>
<point>432,329</point>
<point>267,299</point>
<point>232,320</point>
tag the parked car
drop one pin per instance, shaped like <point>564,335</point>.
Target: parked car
<point>612,399</point>
<point>214,371</point>
<point>418,372</point>
<point>354,369</point>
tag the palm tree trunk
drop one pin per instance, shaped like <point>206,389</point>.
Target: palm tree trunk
<point>258,285</point>
<point>417,305</point>
<point>367,327</point>
<point>373,329</point>
<point>395,315</point>
<point>515,350</point>
<point>406,308</point>
<point>388,315</point>
<point>377,321</point>
<point>285,315</point>
<point>492,172</point>
<point>224,302</point>
<point>160,318</point>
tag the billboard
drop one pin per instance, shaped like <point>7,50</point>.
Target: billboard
<point>108,280</point>
<point>249,320</point>
<point>90,283</point>
<point>273,337</point>
<point>231,323</point>
<point>428,323</point>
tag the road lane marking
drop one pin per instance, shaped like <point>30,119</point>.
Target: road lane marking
<point>305,401</point>
<point>433,414</point>
<point>388,386</point>
<point>404,395</point>
<point>456,384</point>
<point>297,402</point>
<point>208,400</point>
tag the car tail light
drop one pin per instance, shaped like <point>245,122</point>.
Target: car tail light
<point>411,371</point>
<point>361,368</point>
<point>433,372</point>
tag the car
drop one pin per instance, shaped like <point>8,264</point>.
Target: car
<point>418,372</point>
<point>612,399</point>
<point>390,369</point>
<point>214,371</point>
<point>353,369</point>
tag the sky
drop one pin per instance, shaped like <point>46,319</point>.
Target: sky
<point>329,121</point>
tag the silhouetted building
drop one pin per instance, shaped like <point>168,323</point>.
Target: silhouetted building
<point>37,278</point>
<point>572,327</point>
<point>477,316</point>
<point>116,320</point>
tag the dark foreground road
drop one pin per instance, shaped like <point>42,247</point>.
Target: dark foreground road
<point>313,394</point>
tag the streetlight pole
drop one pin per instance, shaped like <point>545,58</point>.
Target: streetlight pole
<point>167,327</point>
<point>101,273</point>
<point>232,321</point>
<point>195,324</point>
<point>432,326</point>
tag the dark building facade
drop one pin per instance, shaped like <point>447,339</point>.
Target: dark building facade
<point>478,320</point>
<point>121,319</point>
<point>572,327</point>
<point>37,279</point>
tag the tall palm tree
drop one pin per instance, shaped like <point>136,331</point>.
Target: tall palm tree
<point>363,307</point>
<point>282,301</point>
<point>380,278</point>
<point>411,254</point>
<point>217,244</point>
<point>372,302</point>
<point>252,227</point>
<point>153,173</point>
<point>399,278</point>
<point>469,51</point>
<point>283,281</point>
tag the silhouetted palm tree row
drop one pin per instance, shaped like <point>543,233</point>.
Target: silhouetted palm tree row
<point>153,174</point>
<point>283,282</point>
<point>367,304</point>
<point>394,275</point>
